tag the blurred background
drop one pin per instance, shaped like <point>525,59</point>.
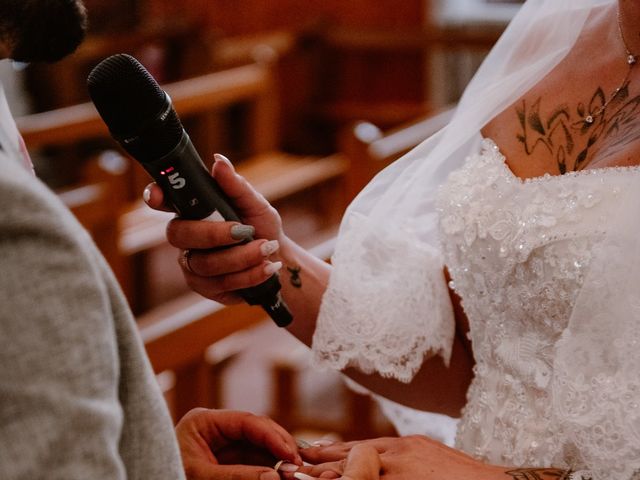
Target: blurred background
<point>309,98</point>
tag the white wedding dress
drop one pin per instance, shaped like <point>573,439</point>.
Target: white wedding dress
<point>517,252</point>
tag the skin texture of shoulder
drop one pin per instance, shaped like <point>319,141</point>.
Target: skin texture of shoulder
<point>546,131</point>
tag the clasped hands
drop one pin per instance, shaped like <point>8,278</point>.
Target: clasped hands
<point>230,445</point>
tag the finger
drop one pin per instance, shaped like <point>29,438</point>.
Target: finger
<point>208,263</point>
<point>196,234</point>
<point>327,453</point>
<point>363,463</point>
<point>340,450</point>
<point>154,198</point>
<point>211,287</point>
<point>206,471</point>
<point>246,200</point>
<point>325,469</point>
<point>222,427</point>
<point>266,432</point>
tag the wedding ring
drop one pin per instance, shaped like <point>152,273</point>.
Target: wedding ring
<point>277,467</point>
<point>185,261</point>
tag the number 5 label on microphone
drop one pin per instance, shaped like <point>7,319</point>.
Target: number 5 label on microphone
<point>176,181</point>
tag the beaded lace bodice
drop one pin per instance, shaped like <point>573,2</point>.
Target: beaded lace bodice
<point>517,252</point>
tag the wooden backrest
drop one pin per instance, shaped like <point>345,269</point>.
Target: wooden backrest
<point>369,150</point>
<point>71,125</point>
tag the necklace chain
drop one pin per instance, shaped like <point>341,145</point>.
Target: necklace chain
<point>631,61</point>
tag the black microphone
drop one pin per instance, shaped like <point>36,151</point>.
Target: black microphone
<point>141,118</point>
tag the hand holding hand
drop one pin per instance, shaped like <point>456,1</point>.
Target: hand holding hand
<point>413,458</point>
<point>213,257</point>
<point>227,445</point>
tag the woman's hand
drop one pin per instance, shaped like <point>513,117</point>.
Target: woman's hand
<point>213,258</point>
<point>226,445</point>
<point>412,458</point>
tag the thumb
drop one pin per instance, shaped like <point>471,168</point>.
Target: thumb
<point>363,463</point>
<point>154,198</point>
<point>242,194</point>
<point>208,471</point>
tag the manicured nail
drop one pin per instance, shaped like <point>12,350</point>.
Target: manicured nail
<point>302,443</point>
<point>288,467</point>
<point>303,476</point>
<point>221,158</point>
<point>242,232</point>
<point>267,248</point>
<point>146,195</point>
<point>271,268</point>
<point>322,443</point>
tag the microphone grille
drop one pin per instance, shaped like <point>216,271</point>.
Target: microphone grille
<point>124,93</point>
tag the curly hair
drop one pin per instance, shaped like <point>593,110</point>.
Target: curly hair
<point>42,30</point>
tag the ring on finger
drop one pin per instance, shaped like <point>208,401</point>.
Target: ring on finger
<point>185,261</point>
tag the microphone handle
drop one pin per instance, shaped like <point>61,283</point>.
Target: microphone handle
<point>195,195</point>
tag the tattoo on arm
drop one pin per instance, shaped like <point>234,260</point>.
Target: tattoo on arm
<point>295,279</point>
<point>540,474</point>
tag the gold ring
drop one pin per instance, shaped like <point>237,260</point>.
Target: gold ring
<point>185,260</point>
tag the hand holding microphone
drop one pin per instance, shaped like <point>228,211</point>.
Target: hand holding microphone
<point>219,263</point>
<point>141,118</point>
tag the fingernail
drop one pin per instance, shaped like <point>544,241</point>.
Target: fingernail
<point>322,443</point>
<point>303,476</point>
<point>302,443</point>
<point>146,195</point>
<point>271,268</point>
<point>288,467</point>
<point>267,248</point>
<point>242,232</point>
<point>221,158</point>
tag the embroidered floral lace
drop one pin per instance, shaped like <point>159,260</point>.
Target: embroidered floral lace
<point>518,252</point>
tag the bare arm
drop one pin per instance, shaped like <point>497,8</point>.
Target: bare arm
<point>216,273</point>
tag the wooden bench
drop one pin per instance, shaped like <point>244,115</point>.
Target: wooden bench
<point>369,149</point>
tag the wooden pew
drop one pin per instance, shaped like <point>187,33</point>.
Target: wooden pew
<point>369,149</point>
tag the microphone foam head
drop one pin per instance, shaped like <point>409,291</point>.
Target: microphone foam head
<point>130,102</point>
<point>124,93</point>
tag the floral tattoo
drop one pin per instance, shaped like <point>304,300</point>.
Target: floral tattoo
<point>570,139</point>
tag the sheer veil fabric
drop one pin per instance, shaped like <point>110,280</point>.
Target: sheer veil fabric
<point>387,307</point>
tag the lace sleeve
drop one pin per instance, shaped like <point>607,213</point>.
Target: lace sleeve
<point>386,306</point>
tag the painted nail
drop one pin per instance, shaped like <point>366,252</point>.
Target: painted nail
<point>242,232</point>
<point>302,443</point>
<point>271,268</point>
<point>221,158</point>
<point>288,467</point>
<point>303,476</point>
<point>146,195</point>
<point>267,248</point>
<point>322,443</point>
